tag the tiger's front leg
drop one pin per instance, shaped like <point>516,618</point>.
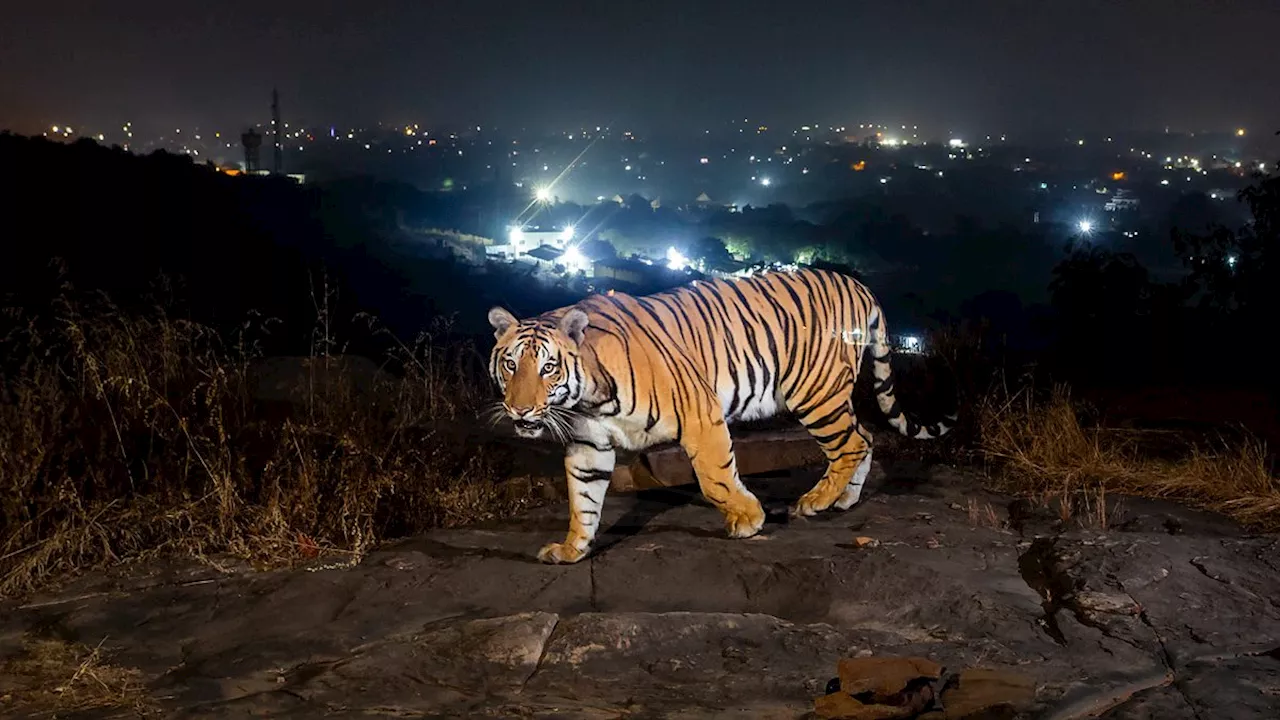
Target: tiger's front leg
<point>588,469</point>
<point>710,449</point>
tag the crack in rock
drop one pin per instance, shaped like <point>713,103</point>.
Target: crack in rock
<point>1038,571</point>
<point>542,653</point>
<point>591,568</point>
<point>1166,656</point>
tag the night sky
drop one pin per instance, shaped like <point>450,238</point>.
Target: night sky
<point>948,65</point>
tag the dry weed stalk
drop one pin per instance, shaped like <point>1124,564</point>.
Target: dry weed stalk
<point>1044,451</point>
<point>984,515</point>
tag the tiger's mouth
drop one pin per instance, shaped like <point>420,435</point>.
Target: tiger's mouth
<point>528,428</point>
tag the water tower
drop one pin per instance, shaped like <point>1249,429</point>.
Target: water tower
<point>252,142</point>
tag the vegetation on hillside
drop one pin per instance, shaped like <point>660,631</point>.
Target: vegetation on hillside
<point>128,434</point>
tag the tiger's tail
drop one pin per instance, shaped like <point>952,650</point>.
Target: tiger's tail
<point>880,352</point>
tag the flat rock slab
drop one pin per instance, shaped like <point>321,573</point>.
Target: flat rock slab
<point>1174,617</point>
<point>756,453</point>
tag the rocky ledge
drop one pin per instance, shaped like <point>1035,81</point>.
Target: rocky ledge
<point>1148,611</point>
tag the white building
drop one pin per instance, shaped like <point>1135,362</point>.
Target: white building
<point>522,240</point>
<point>1122,200</point>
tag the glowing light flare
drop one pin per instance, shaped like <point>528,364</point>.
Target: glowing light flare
<point>676,260</point>
<point>766,181</point>
<point>567,234</point>
<point>573,260</point>
<point>515,236</point>
<point>1086,226</point>
<point>543,194</point>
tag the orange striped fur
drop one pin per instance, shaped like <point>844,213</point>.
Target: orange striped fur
<point>622,372</point>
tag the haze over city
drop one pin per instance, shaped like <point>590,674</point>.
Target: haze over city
<point>986,66</point>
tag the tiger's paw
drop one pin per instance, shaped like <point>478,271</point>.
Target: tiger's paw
<point>744,523</point>
<point>812,503</point>
<point>560,554</point>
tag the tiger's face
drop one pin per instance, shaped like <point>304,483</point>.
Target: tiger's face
<point>536,365</point>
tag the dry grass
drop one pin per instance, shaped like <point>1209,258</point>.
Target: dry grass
<point>51,677</point>
<point>1043,450</point>
<point>124,435</point>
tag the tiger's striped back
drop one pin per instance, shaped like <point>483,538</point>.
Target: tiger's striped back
<point>765,342</point>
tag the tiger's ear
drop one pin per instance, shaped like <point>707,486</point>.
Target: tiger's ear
<point>501,320</point>
<point>573,324</point>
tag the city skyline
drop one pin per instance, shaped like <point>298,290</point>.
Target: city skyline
<point>986,67</point>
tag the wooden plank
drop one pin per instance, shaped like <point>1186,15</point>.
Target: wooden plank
<point>758,452</point>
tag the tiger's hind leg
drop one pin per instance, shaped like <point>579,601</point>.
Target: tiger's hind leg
<point>853,491</point>
<point>831,421</point>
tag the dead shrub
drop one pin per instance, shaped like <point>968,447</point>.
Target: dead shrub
<point>1042,449</point>
<point>124,434</point>
<point>53,676</point>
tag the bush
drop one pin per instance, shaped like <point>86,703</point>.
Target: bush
<point>1042,449</point>
<point>124,435</point>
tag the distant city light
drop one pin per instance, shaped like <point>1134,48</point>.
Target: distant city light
<point>567,234</point>
<point>956,143</point>
<point>703,161</point>
<point>1231,261</point>
<point>884,181</point>
<point>1239,132</point>
<point>676,260</point>
<point>766,181</point>
<point>1086,226</point>
<point>1164,182</point>
<point>573,260</point>
<point>543,194</point>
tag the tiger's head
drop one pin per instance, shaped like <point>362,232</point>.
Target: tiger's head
<point>537,366</point>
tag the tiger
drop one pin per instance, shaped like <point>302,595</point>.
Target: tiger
<point>615,371</point>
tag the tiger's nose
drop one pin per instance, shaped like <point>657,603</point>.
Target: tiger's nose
<point>520,412</point>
